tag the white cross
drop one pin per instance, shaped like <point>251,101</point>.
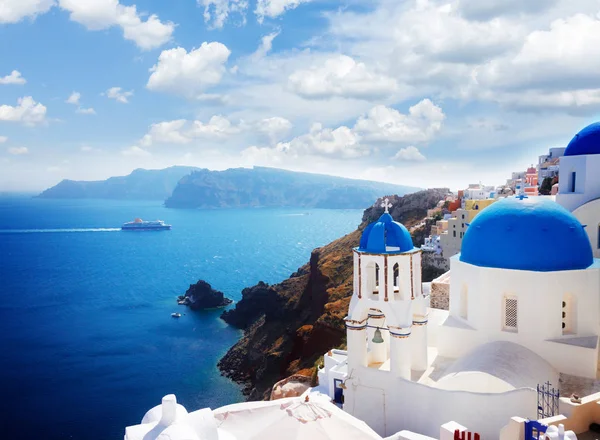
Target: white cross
<point>386,205</point>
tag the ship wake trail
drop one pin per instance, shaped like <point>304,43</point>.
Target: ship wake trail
<point>40,231</point>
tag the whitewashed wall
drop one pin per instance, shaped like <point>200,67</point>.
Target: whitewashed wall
<point>589,214</point>
<point>389,404</point>
<point>587,185</point>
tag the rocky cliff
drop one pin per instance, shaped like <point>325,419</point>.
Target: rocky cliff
<point>288,326</point>
<point>202,296</point>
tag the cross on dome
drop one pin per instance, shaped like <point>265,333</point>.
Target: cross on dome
<point>522,197</point>
<point>386,205</point>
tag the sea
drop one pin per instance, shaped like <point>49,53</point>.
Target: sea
<point>87,340</point>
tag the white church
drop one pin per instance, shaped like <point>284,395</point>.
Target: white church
<point>524,310</point>
<point>579,184</point>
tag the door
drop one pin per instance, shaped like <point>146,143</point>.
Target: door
<point>338,392</point>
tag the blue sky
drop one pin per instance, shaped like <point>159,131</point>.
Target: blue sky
<point>421,92</point>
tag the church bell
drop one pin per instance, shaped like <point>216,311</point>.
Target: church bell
<point>377,339</point>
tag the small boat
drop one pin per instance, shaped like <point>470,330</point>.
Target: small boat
<point>140,225</point>
<point>176,315</point>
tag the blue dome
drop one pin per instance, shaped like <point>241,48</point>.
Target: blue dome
<point>587,141</point>
<point>385,235</point>
<point>527,234</point>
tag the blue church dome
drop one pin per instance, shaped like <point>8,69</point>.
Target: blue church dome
<point>587,141</point>
<point>385,236</point>
<point>527,234</point>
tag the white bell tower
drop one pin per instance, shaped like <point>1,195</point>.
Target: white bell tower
<point>387,318</point>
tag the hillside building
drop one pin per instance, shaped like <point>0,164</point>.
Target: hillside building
<point>451,239</point>
<point>548,164</point>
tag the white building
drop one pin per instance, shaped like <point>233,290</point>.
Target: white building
<point>579,183</point>
<point>524,301</point>
<point>548,164</point>
<point>432,244</point>
<point>477,191</point>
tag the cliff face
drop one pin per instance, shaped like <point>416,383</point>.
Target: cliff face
<point>271,187</point>
<point>288,326</point>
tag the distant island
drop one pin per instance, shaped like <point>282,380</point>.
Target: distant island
<point>258,187</point>
<point>139,185</point>
<point>272,187</point>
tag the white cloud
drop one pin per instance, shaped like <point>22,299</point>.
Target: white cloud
<point>27,111</point>
<point>3,139</point>
<point>274,8</point>
<point>181,131</point>
<point>14,77</point>
<point>341,76</point>
<point>167,132</point>
<point>118,94</point>
<point>556,59</point>
<point>421,124</point>
<point>341,142</point>
<point>135,151</point>
<point>103,14</point>
<point>87,149</point>
<point>74,98</point>
<point>216,12</point>
<point>409,154</point>
<point>189,74</point>
<point>499,51</point>
<point>18,151</point>
<point>439,33</point>
<point>381,124</point>
<point>274,128</point>
<point>486,10</point>
<point>86,111</point>
<point>266,44</point>
<point>217,127</point>
<point>13,11</point>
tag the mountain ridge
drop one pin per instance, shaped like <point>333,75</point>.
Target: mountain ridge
<point>140,184</point>
<point>274,187</point>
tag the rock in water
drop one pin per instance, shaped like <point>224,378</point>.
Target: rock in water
<point>202,296</point>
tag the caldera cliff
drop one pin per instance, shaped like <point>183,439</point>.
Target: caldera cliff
<point>288,326</point>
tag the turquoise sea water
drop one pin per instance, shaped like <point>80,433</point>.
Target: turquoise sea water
<point>87,340</point>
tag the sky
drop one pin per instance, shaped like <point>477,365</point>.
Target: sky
<point>427,93</point>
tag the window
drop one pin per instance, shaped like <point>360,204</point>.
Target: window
<point>396,275</point>
<point>462,225</point>
<point>572,181</point>
<point>510,313</point>
<point>598,235</point>
<point>463,216</point>
<point>454,233</point>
